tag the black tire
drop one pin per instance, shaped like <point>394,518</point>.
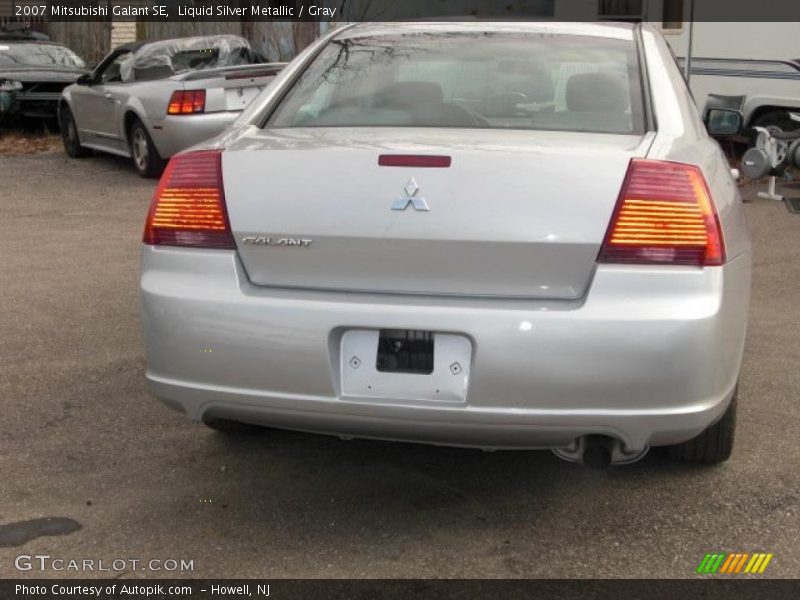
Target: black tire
<point>712,446</point>
<point>69,134</point>
<point>144,155</point>
<point>230,427</point>
<point>775,118</point>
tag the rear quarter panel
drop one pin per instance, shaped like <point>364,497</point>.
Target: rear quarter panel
<point>149,99</point>
<point>682,137</point>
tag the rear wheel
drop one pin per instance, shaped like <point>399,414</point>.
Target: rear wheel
<point>69,135</point>
<point>777,118</point>
<point>773,120</point>
<point>712,446</point>
<point>146,159</point>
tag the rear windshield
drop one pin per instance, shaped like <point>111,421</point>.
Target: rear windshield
<point>469,80</point>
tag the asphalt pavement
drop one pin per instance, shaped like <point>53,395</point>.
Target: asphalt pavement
<point>116,475</point>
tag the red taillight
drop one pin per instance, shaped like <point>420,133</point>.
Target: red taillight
<point>664,215</point>
<point>188,208</point>
<point>187,102</point>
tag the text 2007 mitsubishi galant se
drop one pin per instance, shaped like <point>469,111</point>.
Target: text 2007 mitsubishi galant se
<point>495,235</point>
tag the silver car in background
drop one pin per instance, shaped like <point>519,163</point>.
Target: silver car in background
<point>149,100</point>
<point>495,235</point>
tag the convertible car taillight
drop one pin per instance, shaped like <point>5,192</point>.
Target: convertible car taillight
<point>187,102</point>
<point>664,215</point>
<point>188,208</point>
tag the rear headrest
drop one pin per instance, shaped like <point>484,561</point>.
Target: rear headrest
<point>538,88</point>
<point>597,92</point>
<point>406,94</point>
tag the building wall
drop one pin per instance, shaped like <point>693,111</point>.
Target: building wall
<point>152,30</point>
<point>122,32</point>
<point>760,41</point>
<point>90,39</point>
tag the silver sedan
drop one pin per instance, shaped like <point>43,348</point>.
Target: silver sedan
<point>495,235</point>
<point>149,100</point>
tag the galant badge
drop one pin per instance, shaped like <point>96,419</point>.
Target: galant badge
<point>411,189</point>
<point>284,242</point>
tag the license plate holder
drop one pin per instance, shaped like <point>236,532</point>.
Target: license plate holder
<point>238,98</point>
<point>436,367</point>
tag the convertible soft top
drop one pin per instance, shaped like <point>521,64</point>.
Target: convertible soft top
<point>164,58</point>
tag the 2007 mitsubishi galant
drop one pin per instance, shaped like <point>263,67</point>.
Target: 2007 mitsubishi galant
<point>496,235</point>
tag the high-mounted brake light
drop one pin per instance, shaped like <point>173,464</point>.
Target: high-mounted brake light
<point>664,215</point>
<point>188,207</point>
<point>187,102</point>
<point>413,160</point>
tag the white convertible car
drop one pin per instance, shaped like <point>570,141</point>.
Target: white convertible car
<point>497,235</point>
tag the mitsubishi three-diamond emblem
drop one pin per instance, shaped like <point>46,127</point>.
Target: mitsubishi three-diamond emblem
<point>418,202</point>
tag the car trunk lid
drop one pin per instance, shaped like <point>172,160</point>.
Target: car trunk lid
<point>515,214</point>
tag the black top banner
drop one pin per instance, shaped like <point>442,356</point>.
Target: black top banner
<point>343,11</point>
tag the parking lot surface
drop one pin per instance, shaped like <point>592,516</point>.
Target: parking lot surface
<point>81,438</point>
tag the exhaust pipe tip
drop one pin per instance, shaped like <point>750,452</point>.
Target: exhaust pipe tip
<point>597,451</point>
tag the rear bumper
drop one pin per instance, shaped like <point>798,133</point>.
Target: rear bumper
<point>175,133</point>
<point>650,357</point>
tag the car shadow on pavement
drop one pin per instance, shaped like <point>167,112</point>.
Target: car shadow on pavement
<point>403,486</point>
<point>113,162</point>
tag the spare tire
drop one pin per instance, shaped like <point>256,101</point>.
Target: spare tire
<point>777,118</point>
<point>755,164</point>
<point>793,156</point>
